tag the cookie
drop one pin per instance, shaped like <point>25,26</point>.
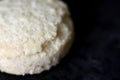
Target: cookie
<point>34,35</point>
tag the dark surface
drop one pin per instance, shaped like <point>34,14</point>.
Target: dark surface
<point>95,54</point>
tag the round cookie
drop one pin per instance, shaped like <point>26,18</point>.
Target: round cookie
<point>34,35</point>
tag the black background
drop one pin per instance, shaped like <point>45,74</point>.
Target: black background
<point>95,54</point>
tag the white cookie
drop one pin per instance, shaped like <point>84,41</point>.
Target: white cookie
<point>34,35</point>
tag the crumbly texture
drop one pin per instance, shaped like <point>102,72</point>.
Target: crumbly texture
<point>34,35</point>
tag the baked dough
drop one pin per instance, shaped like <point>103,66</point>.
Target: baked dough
<point>34,35</point>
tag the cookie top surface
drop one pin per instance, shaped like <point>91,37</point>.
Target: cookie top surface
<point>33,34</point>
